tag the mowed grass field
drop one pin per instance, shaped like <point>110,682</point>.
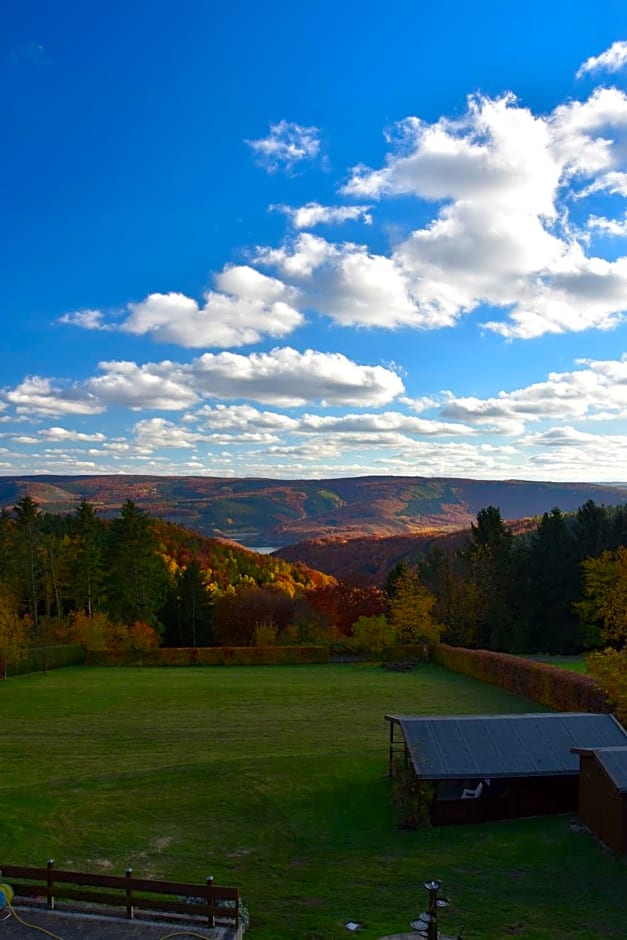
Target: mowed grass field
<point>274,779</point>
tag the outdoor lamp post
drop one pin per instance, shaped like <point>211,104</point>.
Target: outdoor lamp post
<point>433,887</point>
<point>427,924</point>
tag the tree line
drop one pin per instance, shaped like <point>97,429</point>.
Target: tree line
<point>547,590</point>
<point>134,580</point>
<point>138,581</point>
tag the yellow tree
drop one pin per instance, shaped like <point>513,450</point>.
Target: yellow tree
<point>605,595</point>
<point>411,608</point>
<point>14,632</point>
<point>610,669</point>
<point>605,604</point>
<point>372,636</point>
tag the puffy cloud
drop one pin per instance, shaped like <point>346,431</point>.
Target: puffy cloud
<point>243,418</point>
<point>248,306</point>
<point>588,137</point>
<point>613,182</point>
<point>290,378</point>
<point>162,385</point>
<point>283,376</point>
<point>349,284</point>
<point>611,227</point>
<point>588,293</point>
<point>313,213</point>
<point>598,390</point>
<point>59,435</point>
<point>501,182</point>
<point>366,424</point>
<point>501,178</point>
<point>570,454</point>
<point>612,60</point>
<point>497,150</point>
<point>38,396</point>
<point>286,145</point>
<point>153,433</point>
<point>87,319</point>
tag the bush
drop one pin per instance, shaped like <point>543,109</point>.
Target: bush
<point>610,668</point>
<point>372,636</point>
<point>547,685</point>
<point>411,796</point>
<point>43,658</point>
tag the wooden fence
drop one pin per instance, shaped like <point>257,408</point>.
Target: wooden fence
<point>207,903</point>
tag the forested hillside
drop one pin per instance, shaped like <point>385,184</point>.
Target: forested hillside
<point>274,513</point>
<point>369,559</point>
<point>134,581</point>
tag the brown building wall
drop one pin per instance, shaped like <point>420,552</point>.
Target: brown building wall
<point>601,806</point>
<point>517,797</point>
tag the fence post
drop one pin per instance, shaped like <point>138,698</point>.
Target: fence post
<point>49,884</point>
<point>130,913</point>
<point>211,921</point>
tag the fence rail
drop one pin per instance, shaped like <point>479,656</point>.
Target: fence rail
<point>213,904</point>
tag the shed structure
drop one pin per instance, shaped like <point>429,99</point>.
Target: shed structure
<point>603,794</point>
<point>485,767</point>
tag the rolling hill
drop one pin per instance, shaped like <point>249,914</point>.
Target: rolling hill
<point>274,513</point>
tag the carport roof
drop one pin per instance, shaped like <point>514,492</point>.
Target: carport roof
<point>475,746</point>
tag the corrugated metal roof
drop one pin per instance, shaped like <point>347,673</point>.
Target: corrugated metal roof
<point>476,746</point>
<point>614,762</point>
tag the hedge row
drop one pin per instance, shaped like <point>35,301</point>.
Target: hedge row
<point>43,658</point>
<point>211,656</point>
<point>550,686</point>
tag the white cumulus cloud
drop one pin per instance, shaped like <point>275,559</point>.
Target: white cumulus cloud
<point>246,307</point>
<point>286,145</point>
<point>39,396</point>
<point>87,319</point>
<point>612,60</point>
<point>290,378</point>
<point>499,178</point>
<point>313,214</point>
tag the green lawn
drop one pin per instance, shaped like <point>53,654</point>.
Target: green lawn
<point>273,779</point>
<point>574,663</point>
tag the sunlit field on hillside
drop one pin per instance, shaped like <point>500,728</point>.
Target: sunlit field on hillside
<point>274,780</point>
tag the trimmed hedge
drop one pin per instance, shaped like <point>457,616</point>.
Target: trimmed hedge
<point>547,685</point>
<point>211,656</point>
<point>43,658</point>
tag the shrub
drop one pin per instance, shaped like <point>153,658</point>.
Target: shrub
<point>610,669</point>
<point>372,636</point>
<point>43,658</point>
<point>544,684</point>
<point>411,796</point>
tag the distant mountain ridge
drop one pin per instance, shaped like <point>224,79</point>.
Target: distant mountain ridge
<point>265,512</point>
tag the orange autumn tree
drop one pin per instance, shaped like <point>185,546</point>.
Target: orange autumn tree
<point>99,632</point>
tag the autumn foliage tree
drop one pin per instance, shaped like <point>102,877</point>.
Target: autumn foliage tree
<point>14,631</point>
<point>411,607</point>
<point>372,636</point>
<point>605,595</point>
<point>605,605</point>
<point>240,616</point>
<point>610,669</point>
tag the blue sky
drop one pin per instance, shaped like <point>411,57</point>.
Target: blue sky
<point>314,240</point>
